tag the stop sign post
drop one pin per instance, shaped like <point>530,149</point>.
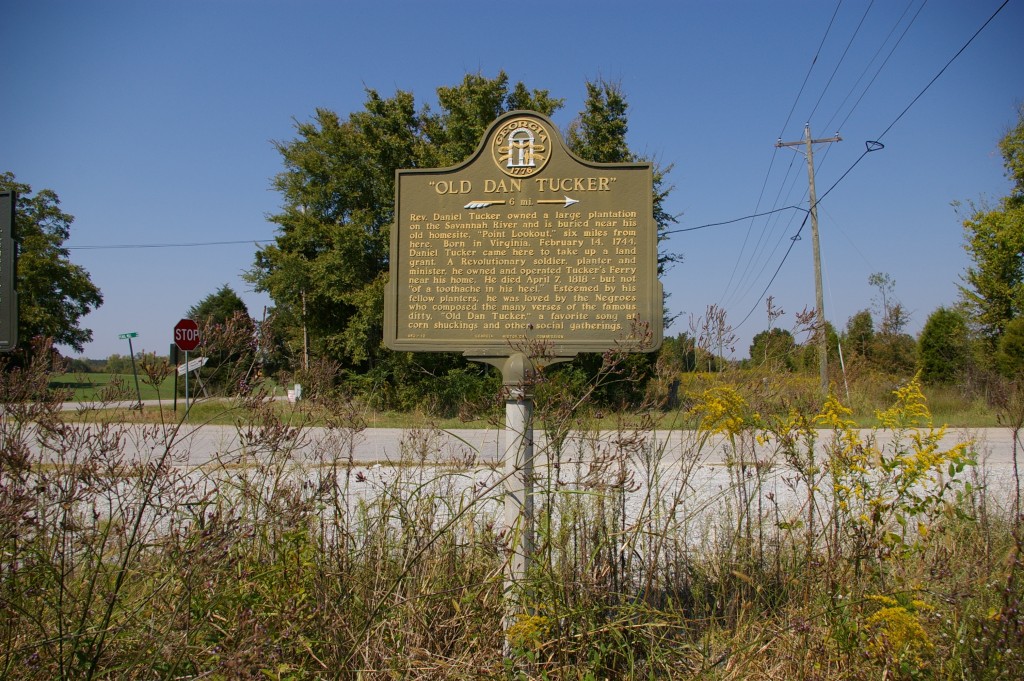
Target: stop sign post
<point>186,337</point>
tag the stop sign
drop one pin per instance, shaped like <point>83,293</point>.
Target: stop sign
<point>186,335</point>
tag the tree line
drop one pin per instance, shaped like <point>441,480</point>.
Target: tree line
<point>328,264</point>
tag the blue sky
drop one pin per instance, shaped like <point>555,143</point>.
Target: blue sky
<point>154,122</point>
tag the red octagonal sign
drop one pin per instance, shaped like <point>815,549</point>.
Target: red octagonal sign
<point>186,335</point>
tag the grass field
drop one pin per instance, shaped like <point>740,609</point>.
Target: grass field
<point>91,387</point>
<point>948,406</point>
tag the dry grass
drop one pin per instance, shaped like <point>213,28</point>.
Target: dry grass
<point>647,564</point>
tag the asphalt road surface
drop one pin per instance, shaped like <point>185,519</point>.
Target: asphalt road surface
<point>198,445</point>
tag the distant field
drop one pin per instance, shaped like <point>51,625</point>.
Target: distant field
<point>90,387</point>
<point>948,405</point>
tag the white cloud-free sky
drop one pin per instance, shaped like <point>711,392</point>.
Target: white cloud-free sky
<point>154,122</point>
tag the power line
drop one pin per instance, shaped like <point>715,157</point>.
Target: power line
<point>870,146</point>
<point>729,222</point>
<point>749,273</point>
<point>811,68</point>
<point>773,231</point>
<point>792,242</point>
<point>943,70</point>
<point>760,240</point>
<point>881,66</point>
<point>841,59</point>
<point>746,235</point>
<point>831,78</point>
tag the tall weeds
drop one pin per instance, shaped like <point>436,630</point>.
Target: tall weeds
<point>733,544</point>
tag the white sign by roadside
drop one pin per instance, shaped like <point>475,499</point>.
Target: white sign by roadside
<point>194,364</point>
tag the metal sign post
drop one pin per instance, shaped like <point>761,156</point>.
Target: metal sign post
<point>187,405</point>
<point>186,337</point>
<point>185,369</point>
<point>135,372</point>
<point>519,481</point>
<point>173,355</point>
<point>518,465</point>
<point>516,372</point>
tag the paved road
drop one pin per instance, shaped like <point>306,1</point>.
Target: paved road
<point>206,443</point>
<point>676,454</point>
<point>196,445</point>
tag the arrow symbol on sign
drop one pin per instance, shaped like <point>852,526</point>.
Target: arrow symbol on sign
<point>565,203</point>
<point>473,205</point>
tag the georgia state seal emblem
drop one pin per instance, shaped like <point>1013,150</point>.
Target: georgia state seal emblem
<point>520,146</point>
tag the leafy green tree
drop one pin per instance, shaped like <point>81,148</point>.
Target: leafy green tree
<point>118,364</point>
<point>121,364</point>
<point>334,229</point>
<point>1010,356</point>
<point>893,317</point>
<point>1011,146</point>
<point>944,346</point>
<point>218,307</point>
<point>889,349</point>
<point>806,356</point>
<point>53,293</point>
<point>468,109</point>
<point>79,365</point>
<point>599,132</point>
<point>228,340</point>
<point>678,354</point>
<point>860,333</point>
<point>327,268</point>
<point>773,349</point>
<point>894,353</point>
<point>993,287</point>
<point>328,265</point>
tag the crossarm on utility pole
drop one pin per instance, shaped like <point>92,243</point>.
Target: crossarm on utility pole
<point>819,295</point>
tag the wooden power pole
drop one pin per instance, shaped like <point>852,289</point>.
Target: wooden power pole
<point>819,295</point>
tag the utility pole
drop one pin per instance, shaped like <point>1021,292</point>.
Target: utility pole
<point>819,295</point>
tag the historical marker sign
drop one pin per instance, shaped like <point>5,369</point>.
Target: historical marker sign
<point>523,242</point>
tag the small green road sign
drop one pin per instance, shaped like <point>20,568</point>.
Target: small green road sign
<point>131,353</point>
